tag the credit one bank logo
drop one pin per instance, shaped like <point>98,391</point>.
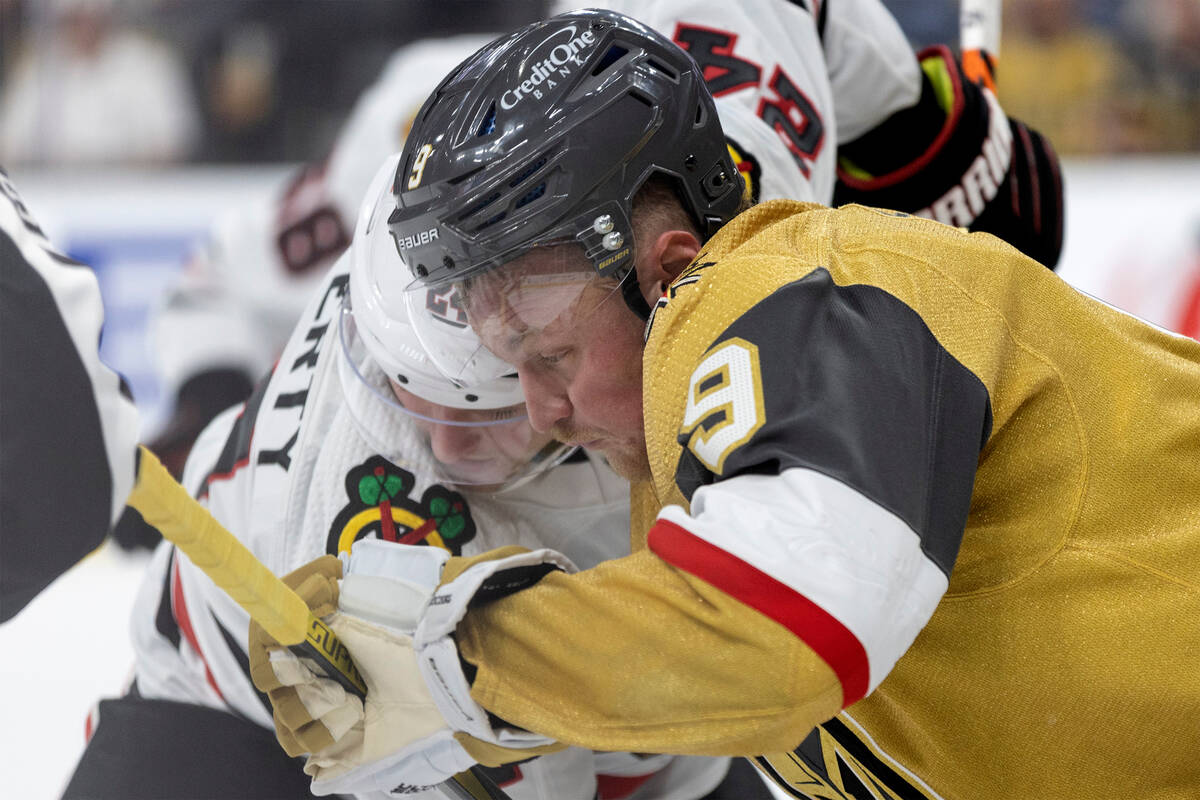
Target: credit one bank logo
<point>558,63</point>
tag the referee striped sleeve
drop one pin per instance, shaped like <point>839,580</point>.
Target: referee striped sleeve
<point>68,429</point>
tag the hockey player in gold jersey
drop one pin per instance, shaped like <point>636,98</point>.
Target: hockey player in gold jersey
<point>914,518</point>
<point>895,430</point>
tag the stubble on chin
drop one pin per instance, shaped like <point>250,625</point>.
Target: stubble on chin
<point>627,459</point>
<point>630,463</point>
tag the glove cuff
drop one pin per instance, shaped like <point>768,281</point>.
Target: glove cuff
<point>483,583</point>
<point>958,173</point>
<point>437,653</point>
<point>417,769</point>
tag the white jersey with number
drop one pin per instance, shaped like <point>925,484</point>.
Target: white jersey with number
<point>791,80</point>
<point>296,473</point>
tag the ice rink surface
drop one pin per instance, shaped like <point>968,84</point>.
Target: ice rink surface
<point>67,649</point>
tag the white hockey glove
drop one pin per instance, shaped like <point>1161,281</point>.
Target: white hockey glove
<point>418,724</point>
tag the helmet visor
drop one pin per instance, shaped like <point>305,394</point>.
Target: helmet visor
<point>543,289</point>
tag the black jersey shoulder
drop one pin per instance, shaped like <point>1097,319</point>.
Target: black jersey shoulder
<point>854,385</point>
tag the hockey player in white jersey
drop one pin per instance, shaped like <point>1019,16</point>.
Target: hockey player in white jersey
<point>820,101</point>
<point>354,437</point>
<point>835,418</point>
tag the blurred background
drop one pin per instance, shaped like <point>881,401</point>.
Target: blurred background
<point>131,125</point>
<point>257,81</point>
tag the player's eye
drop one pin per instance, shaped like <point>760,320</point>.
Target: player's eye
<point>553,358</point>
<point>512,412</point>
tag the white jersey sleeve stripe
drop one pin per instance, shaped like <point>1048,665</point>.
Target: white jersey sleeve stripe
<point>829,546</point>
<point>831,640</point>
<point>179,610</point>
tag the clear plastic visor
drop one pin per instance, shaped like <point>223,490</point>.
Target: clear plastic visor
<point>492,449</point>
<point>521,311</point>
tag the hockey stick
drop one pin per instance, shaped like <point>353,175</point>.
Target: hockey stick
<point>167,506</point>
<point>979,39</point>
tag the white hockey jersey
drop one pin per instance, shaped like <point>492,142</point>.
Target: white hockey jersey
<point>791,80</point>
<point>305,468</point>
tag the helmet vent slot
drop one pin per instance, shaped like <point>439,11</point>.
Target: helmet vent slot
<point>525,173</point>
<point>641,98</point>
<point>611,57</point>
<point>481,205</point>
<point>489,122</point>
<point>654,63</point>
<point>531,195</point>
<point>488,223</point>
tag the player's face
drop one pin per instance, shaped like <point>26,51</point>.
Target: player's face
<point>577,349</point>
<point>475,454</point>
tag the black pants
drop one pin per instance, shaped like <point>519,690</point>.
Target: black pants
<point>742,782</point>
<point>163,750</point>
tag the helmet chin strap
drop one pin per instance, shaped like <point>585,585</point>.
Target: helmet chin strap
<point>631,291</point>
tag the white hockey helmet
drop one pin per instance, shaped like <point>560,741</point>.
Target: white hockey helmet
<point>476,431</point>
<point>386,328</point>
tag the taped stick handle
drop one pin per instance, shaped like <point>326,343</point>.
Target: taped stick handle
<point>979,39</point>
<point>167,506</point>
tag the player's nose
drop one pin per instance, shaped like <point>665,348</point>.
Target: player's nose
<point>453,443</point>
<point>545,403</point>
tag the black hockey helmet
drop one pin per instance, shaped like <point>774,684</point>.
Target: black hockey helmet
<point>546,135</point>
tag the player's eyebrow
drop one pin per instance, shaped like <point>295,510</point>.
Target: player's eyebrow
<point>516,341</point>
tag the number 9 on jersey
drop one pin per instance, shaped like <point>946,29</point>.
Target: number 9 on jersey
<point>725,403</point>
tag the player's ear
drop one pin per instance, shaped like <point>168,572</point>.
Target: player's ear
<point>670,255</point>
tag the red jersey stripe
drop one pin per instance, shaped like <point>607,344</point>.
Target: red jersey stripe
<point>179,609</point>
<point>819,629</point>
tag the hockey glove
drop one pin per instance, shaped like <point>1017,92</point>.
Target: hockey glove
<point>955,157</point>
<point>309,714</point>
<point>419,724</point>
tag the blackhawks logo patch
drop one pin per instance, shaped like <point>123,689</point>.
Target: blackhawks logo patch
<point>380,504</point>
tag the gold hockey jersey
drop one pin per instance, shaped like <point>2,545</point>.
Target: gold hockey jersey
<point>909,488</point>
